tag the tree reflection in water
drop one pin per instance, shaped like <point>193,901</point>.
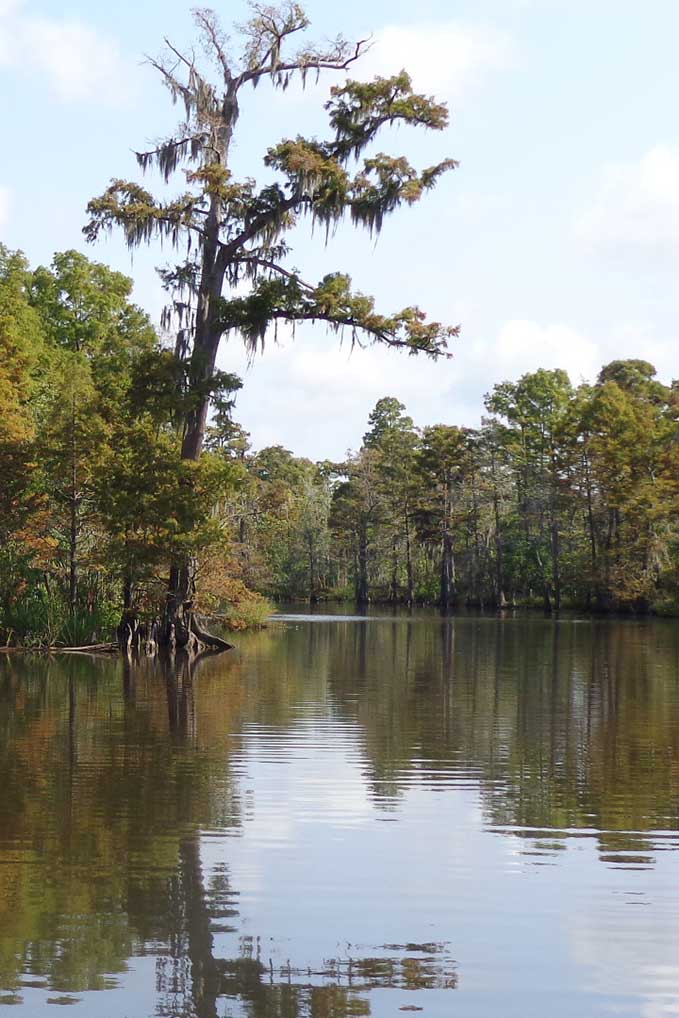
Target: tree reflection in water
<point>191,980</point>
<point>112,769</point>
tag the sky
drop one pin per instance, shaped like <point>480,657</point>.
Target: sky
<point>554,244</point>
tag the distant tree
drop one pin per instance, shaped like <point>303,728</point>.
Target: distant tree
<point>393,436</point>
<point>632,427</point>
<point>441,463</point>
<point>357,514</point>
<point>535,411</point>
<point>387,418</point>
<point>235,232</point>
<point>21,347</point>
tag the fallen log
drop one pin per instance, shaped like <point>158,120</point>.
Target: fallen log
<point>93,648</point>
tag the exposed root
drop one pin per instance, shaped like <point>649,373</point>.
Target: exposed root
<point>182,634</point>
<point>208,639</point>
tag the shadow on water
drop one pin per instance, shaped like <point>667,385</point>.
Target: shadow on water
<point>114,770</point>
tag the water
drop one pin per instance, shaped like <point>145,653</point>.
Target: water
<point>348,817</point>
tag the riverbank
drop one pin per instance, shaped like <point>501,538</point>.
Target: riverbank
<point>661,609</point>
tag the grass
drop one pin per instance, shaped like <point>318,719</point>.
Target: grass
<point>40,620</point>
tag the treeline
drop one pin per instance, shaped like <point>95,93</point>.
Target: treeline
<point>564,497</point>
<point>95,499</point>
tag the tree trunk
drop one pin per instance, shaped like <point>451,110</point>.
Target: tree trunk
<point>476,556</point>
<point>73,560</point>
<point>362,588</point>
<point>499,580</point>
<point>410,587</point>
<point>556,565</point>
<point>447,572</point>
<point>73,527</point>
<point>394,570</point>
<point>591,531</point>
<point>179,624</point>
<point>313,596</point>
<point>546,586</point>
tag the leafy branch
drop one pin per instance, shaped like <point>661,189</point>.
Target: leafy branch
<point>332,301</point>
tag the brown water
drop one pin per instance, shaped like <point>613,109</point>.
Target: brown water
<point>348,818</point>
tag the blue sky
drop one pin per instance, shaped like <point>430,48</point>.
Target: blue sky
<point>556,242</point>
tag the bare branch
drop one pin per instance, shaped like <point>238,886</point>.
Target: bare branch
<point>180,56</point>
<point>304,63</point>
<point>271,266</point>
<point>174,84</point>
<point>205,20</point>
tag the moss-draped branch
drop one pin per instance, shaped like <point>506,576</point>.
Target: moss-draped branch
<point>285,297</point>
<point>141,216</point>
<point>240,227</point>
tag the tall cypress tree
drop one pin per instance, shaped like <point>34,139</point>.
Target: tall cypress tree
<point>234,231</point>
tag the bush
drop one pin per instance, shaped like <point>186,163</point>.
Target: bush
<point>228,599</point>
<point>666,607</point>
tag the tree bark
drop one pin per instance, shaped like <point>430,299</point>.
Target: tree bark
<point>362,588</point>
<point>394,570</point>
<point>179,625</point>
<point>73,524</point>
<point>447,572</point>
<point>410,587</point>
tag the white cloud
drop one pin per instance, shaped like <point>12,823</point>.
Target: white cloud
<point>79,62</point>
<point>637,207</point>
<point>314,397</point>
<point>365,372</point>
<point>523,346</point>
<point>446,59</point>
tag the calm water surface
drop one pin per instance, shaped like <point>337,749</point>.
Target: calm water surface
<point>346,818</point>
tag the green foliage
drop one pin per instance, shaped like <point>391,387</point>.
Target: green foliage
<point>96,496</point>
<point>161,387</point>
<point>334,303</point>
<point>21,334</point>
<point>237,230</point>
<point>154,504</point>
<point>235,233</point>
<point>42,618</point>
<point>358,110</point>
<point>563,498</point>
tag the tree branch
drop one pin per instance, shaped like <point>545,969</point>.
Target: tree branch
<point>175,86</point>
<point>287,298</point>
<point>303,65</point>
<point>179,55</point>
<point>168,155</point>
<point>260,223</point>
<point>272,266</point>
<point>206,21</point>
<point>128,205</point>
